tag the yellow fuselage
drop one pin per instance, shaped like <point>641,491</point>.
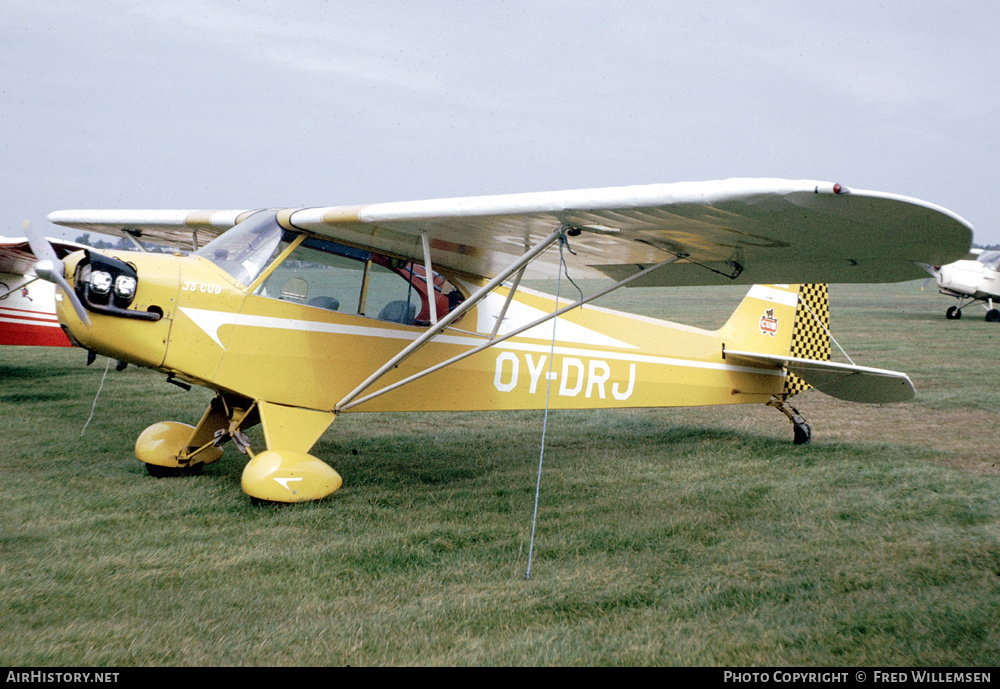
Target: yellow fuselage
<point>215,332</point>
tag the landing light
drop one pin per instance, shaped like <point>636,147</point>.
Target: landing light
<point>124,286</point>
<point>100,282</point>
<point>108,285</point>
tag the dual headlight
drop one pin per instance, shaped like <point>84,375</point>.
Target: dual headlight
<point>105,281</point>
<point>102,282</point>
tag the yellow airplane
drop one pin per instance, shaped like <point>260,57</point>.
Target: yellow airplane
<point>294,316</point>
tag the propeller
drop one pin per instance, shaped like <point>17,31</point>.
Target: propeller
<point>51,269</point>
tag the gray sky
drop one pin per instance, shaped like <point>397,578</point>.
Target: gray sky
<point>224,104</point>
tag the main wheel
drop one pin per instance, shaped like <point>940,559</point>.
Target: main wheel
<point>288,476</point>
<point>953,313</point>
<point>159,446</point>
<point>158,471</point>
<point>993,316</point>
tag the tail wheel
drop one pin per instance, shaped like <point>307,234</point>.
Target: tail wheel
<point>953,313</point>
<point>802,432</point>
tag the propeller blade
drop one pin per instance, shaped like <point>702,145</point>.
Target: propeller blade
<point>51,269</point>
<point>39,244</point>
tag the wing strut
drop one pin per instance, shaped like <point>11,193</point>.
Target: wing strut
<point>429,278</point>
<point>521,261</point>
<point>506,305</point>
<point>350,401</point>
<point>16,288</point>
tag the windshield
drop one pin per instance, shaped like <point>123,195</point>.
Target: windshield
<point>991,259</point>
<point>246,249</point>
<point>327,275</point>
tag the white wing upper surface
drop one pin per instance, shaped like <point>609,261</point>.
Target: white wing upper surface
<point>739,231</point>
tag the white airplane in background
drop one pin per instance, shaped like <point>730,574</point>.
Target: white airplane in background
<point>972,279</point>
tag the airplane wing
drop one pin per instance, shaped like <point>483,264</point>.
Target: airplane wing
<point>187,230</point>
<point>843,381</point>
<point>738,231</point>
<point>16,256</point>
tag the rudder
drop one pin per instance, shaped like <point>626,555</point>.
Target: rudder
<point>811,333</point>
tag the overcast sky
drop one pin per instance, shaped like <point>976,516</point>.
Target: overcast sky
<point>219,104</point>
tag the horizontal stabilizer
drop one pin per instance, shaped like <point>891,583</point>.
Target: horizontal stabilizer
<point>843,381</point>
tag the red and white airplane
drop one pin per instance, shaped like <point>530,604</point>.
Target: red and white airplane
<point>28,304</point>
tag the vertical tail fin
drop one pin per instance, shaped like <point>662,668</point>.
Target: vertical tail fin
<point>783,320</point>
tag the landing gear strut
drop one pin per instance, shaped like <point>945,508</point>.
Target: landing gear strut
<point>285,472</point>
<point>801,432</point>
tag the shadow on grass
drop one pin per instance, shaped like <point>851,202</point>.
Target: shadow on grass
<point>29,396</point>
<point>33,383</point>
<point>502,450</point>
<point>452,458</point>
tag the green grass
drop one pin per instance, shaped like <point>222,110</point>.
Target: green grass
<point>665,537</point>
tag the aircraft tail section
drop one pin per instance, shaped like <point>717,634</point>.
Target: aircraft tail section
<point>784,321</point>
<point>805,356</point>
<point>811,336</point>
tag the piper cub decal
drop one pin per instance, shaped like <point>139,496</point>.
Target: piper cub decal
<point>768,323</point>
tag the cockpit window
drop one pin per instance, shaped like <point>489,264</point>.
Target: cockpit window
<point>991,259</point>
<point>317,278</point>
<point>326,275</point>
<point>248,248</point>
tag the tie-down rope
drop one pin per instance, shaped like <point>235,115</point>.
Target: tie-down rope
<point>563,244</point>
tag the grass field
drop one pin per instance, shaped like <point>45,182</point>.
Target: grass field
<point>665,537</point>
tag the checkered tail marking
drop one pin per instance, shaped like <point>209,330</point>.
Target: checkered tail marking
<point>810,340</point>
